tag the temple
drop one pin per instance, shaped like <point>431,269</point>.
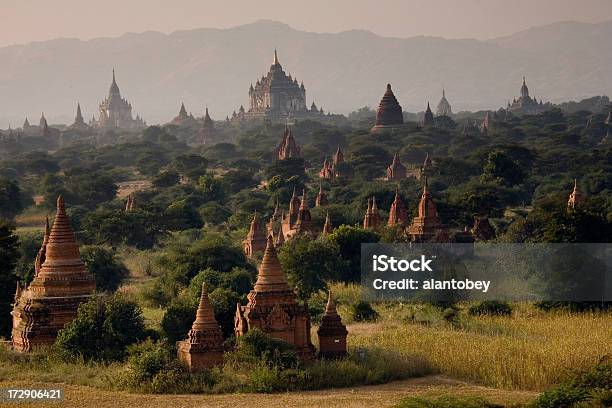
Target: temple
<point>277,97</point>
<point>428,117</point>
<point>427,223</point>
<point>207,132</point>
<point>116,112</point>
<point>327,226</point>
<point>321,199</point>
<point>396,171</point>
<point>332,333</point>
<point>444,107</point>
<point>525,104</point>
<point>61,283</point>
<point>288,148</point>
<point>389,114</point>
<point>272,307</point>
<point>79,123</point>
<point>255,240</point>
<point>183,118</point>
<point>203,347</point>
<point>575,198</point>
<point>372,218</point>
<point>398,214</point>
<point>330,169</point>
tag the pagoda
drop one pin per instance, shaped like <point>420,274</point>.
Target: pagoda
<point>288,147</point>
<point>389,114</point>
<point>277,97</point>
<point>332,333</point>
<point>79,123</point>
<point>130,203</point>
<point>255,240</point>
<point>444,107</point>
<point>327,227</point>
<point>575,198</point>
<point>207,132</point>
<point>327,172</point>
<point>203,347</point>
<point>398,214</point>
<point>428,117</point>
<point>321,199</point>
<point>183,118</point>
<point>116,112</point>
<point>427,223</point>
<point>372,219</point>
<point>396,171</point>
<point>289,220</point>
<point>525,104</point>
<point>303,224</point>
<point>61,283</point>
<point>272,307</point>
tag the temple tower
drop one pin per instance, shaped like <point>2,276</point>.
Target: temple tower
<point>332,333</point>
<point>327,227</point>
<point>321,199</point>
<point>444,107</point>
<point>396,170</point>
<point>61,284</point>
<point>272,307</point>
<point>288,147</point>
<point>255,240</point>
<point>575,198</point>
<point>398,214</point>
<point>427,223</point>
<point>203,347</point>
<point>389,113</point>
<point>428,118</point>
<point>372,219</point>
<point>303,225</point>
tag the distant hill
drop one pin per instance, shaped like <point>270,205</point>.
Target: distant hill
<point>341,72</point>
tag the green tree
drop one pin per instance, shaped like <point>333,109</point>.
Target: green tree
<point>166,179</point>
<point>108,270</point>
<point>10,198</point>
<point>500,168</point>
<point>102,330</point>
<point>190,165</point>
<point>309,264</point>
<point>348,239</point>
<point>9,254</point>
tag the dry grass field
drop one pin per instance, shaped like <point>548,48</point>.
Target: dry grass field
<point>386,395</point>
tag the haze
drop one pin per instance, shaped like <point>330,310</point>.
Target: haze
<point>30,20</point>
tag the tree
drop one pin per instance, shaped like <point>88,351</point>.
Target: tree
<point>348,240</point>
<point>104,265</point>
<point>102,330</point>
<point>180,216</point>
<point>500,168</point>
<point>309,264</point>
<point>165,179</point>
<point>9,254</point>
<point>10,198</point>
<point>190,165</point>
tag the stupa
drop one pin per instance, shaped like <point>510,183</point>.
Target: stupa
<point>427,223</point>
<point>396,170</point>
<point>332,333</point>
<point>398,214</point>
<point>389,114</point>
<point>372,219</point>
<point>272,307</point>
<point>255,240</point>
<point>575,198</point>
<point>203,347</point>
<point>61,284</point>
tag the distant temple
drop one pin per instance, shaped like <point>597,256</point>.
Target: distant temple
<point>396,170</point>
<point>575,198</point>
<point>444,107</point>
<point>372,218</point>
<point>398,214</point>
<point>277,97</point>
<point>525,104</point>
<point>116,112</point>
<point>183,118</point>
<point>427,223</point>
<point>428,117</point>
<point>79,124</point>
<point>272,307</point>
<point>389,114</point>
<point>321,199</point>
<point>61,283</point>
<point>207,132</point>
<point>288,148</point>
<point>255,240</point>
<point>332,333</point>
<point>330,170</point>
<point>298,221</point>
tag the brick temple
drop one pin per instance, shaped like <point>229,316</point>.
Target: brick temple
<point>272,307</point>
<point>332,333</point>
<point>61,283</point>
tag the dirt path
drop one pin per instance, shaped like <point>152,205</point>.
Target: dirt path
<point>377,396</point>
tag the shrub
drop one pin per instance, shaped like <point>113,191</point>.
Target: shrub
<point>363,311</point>
<point>177,320</point>
<point>446,401</point>
<point>450,314</point>
<point>256,346</point>
<point>102,330</point>
<point>491,307</point>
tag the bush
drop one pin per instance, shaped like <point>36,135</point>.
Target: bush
<point>363,311</point>
<point>108,271</point>
<point>446,401</point>
<point>102,330</point>
<point>257,347</point>
<point>177,320</point>
<point>491,308</point>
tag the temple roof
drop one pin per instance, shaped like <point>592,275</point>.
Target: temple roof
<point>114,88</point>
<point>444,107</point>
<point>271,277</point>
<point>205,315</point>
<point>389,110</point>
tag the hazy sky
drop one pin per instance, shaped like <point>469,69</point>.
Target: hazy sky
<point>29,20</point>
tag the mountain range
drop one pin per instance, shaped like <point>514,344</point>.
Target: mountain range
<point>341,71</point>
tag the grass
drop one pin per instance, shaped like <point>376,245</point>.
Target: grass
<point>530,350</point>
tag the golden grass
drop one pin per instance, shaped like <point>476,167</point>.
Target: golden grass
<point>530,350</point>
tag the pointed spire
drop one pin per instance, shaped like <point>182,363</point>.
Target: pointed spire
<point>330,308</point>
<point>205,315</point>
<point>275,58</point>
<point>271,276</point>
<point>327,226</point>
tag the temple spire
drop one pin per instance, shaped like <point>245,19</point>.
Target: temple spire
<point>275,57</point>
<point>271,276</point>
